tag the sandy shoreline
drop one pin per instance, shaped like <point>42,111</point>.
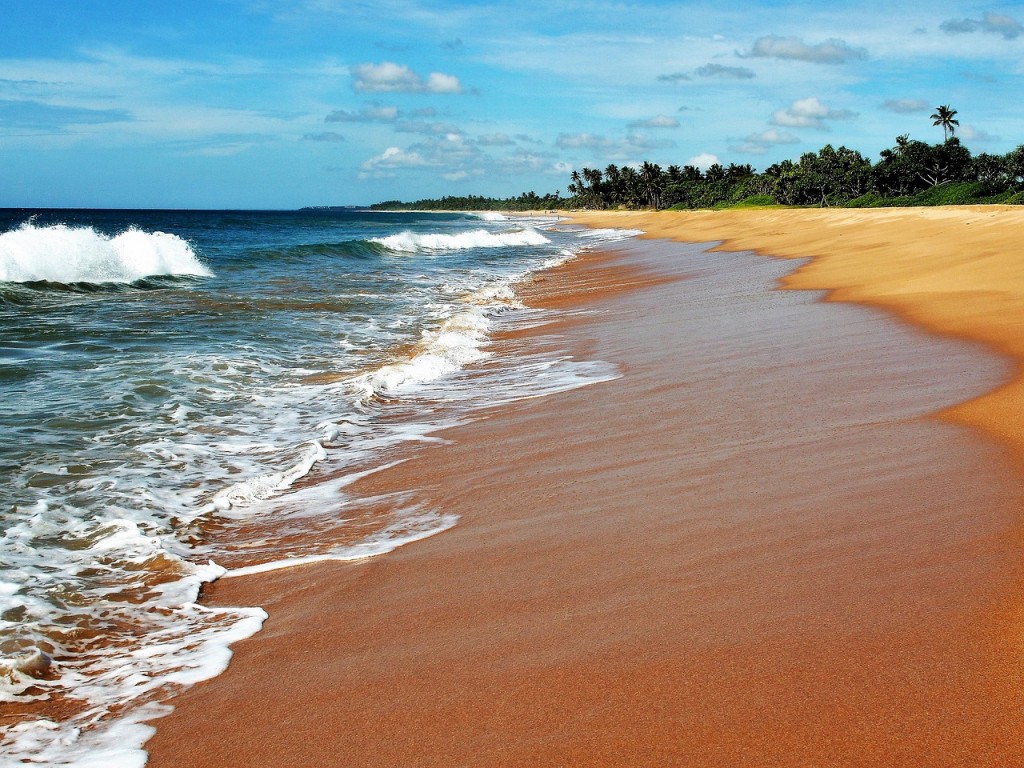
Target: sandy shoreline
<point>754,548</point>
<point>956,271</point>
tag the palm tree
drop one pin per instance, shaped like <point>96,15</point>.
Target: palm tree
<point>650,180</point>
<point>944,116</point>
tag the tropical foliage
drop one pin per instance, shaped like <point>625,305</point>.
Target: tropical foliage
<point>943,116</point>
<point>907,173</point>
<point>911,172</point>
<point>528,201</point>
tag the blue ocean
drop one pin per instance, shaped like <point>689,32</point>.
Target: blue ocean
<point>187,396</point>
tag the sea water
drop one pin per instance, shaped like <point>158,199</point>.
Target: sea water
<point>187,396</point>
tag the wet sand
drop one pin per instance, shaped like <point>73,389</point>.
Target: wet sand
<point>756,547</point>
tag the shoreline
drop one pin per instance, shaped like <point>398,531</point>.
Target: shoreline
<point>936,274</point>
<point>776,560</point>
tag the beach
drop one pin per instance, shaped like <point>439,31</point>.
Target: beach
<point>787,534</point>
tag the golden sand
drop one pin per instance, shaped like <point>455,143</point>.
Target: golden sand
<point>958,271</point>
<point>753,549</point>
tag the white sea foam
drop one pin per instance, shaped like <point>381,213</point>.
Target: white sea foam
<point>185,643</point>
<point>415,524</point>
<point>491,216</point>
<point>64,254</point>
<point>455,343</point>
<point>412,242</point>
<point>244,493</point>
<point>598,236</point>
<point>235,432</point>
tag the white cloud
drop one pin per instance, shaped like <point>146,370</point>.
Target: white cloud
<point>658,121</point>
<point>759,143</point>
<point>388,77</point>
<point>630,148</point>
<point>441,83</point>
<point>703,161</point>
<point>371,113</point>
<point>582,141</point>
<point>970,133</point>
<point>808,113</point>
<point>452,153</point>
<point>390,160</point>
<point>832,51</point>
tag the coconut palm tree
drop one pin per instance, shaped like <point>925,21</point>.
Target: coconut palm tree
<point>944,116</point>
<point>650,181</point>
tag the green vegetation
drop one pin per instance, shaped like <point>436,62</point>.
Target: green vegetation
<point>528,201</point>
<point>909,173</point>
<point>944,116</point>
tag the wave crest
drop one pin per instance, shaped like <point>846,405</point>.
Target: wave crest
<point>63,254</point>
<point>411,242</point>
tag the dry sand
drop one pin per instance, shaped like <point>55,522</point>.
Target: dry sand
<point>754,548</point>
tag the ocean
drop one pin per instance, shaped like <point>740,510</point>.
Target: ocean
<point>189,395</point>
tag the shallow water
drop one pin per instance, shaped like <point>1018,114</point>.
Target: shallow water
<point>190,392</point>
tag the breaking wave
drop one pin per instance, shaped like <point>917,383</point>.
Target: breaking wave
<point>63,254</point>
<point>411,242</point>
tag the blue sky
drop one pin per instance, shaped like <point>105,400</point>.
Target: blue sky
<point>285,103</point>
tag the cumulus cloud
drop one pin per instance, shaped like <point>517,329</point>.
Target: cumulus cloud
<point>391,159</point>
<point>722,71</point>
<point>905,106</point>
<point>371,113</point>
<point>441,83</point>
<point>388,77</point>
<point>658,121</point>
<point>703,161</point>
<point>451,153</point>
<point>1007,27</point>
<point>809,113</point>
<point>759,143</point>
<point>531,162</point>
<point>581,141</point>
<point>628,148</point>
<point>832,51</point>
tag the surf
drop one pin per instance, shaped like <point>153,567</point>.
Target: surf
<point>411,242</point>
<point>77,255</point>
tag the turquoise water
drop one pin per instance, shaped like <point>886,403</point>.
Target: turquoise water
<point>188,395</point>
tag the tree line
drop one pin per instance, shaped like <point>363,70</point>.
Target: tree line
<point>911,172</point>
<point>908,173</point>
<point>527,201</point>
